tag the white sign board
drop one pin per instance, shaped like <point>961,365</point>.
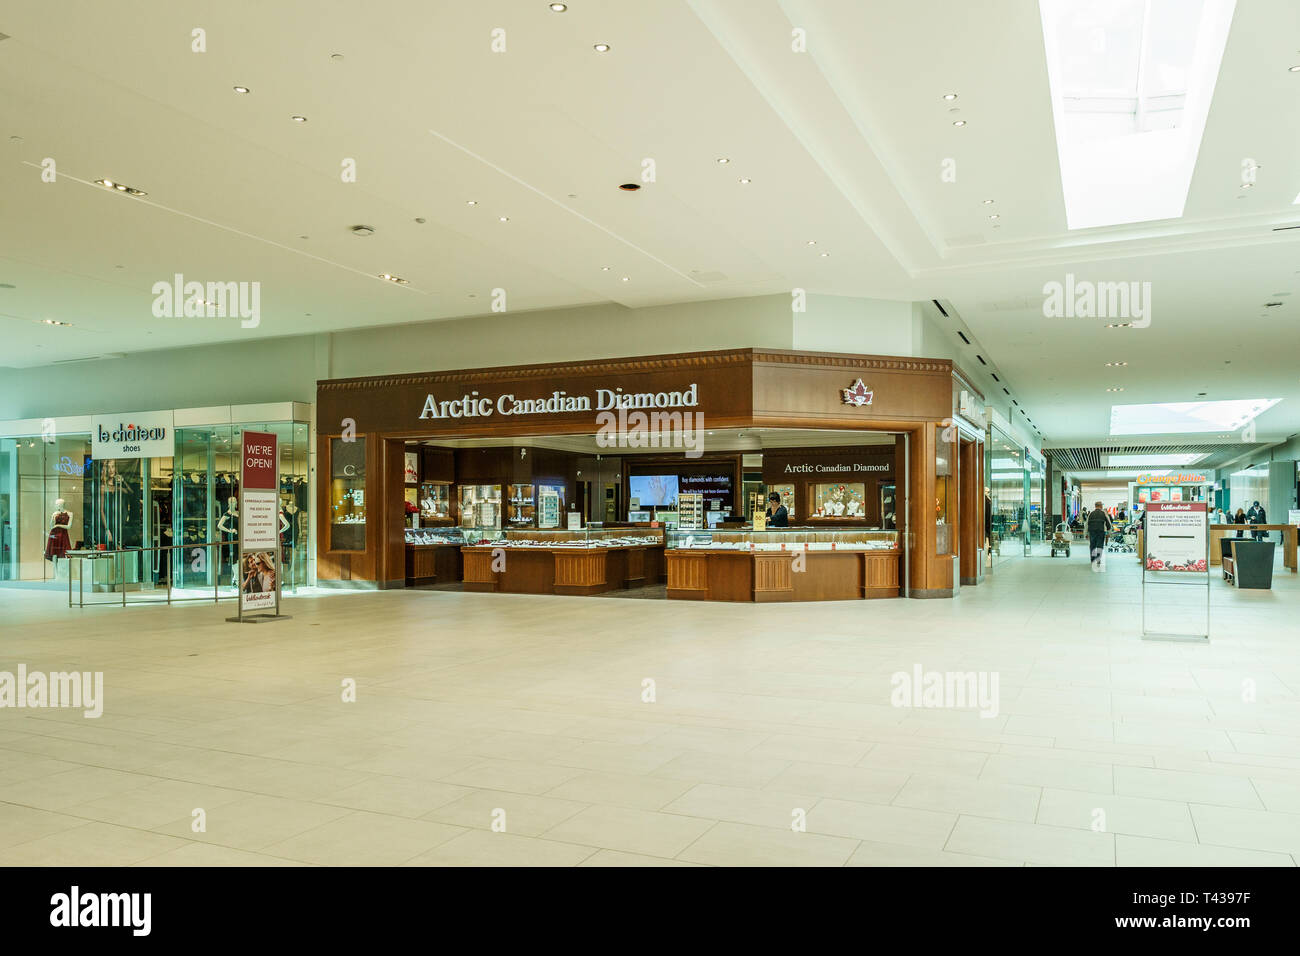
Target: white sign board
<point>1175,538</point>
<point>132,435</point>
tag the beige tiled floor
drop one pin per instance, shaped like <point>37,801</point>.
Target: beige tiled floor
<point>771,740</point>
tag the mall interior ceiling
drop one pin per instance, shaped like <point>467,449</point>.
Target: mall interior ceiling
<point>812,146</point>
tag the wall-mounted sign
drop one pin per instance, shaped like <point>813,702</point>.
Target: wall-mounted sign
<point>857,394</point>
<point>559,401</point>
<point>135,435</point>
<point>1183,479</point>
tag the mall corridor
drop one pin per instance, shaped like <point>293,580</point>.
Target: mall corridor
<point>469,706</point>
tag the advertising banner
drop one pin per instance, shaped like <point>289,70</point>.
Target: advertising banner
<point>1176,537</point>
<point>258,584</point>
<point>259,523</point>
<point>133,435</point>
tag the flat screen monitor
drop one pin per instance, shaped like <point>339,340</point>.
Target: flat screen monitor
<point>653,490</point>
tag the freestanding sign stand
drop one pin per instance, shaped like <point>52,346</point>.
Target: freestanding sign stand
<point>258,576</point>
<point>1177,555</point>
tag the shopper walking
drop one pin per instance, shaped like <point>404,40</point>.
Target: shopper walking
<point>1239,518</point>
<point>1099,525</point>
<point>1259,517</point>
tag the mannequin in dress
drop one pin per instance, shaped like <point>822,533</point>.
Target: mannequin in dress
<point>228,526</point>
<point>57,544</point>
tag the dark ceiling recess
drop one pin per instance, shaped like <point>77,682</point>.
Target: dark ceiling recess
<point>963,337</point>
<point>995,376</point>
<point>1004,388</point>
<point>630,187</point>
<point>942,311</point>
<point>1015,403</point>
<point>981,358</point>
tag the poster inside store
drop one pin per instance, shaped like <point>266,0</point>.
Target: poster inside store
<point>1175,537</point>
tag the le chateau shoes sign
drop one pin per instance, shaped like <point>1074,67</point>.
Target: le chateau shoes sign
<point>134,435</point>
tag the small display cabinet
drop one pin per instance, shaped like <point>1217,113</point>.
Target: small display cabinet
<point>347,495</point>
<point>480,506</point>
<point>521,506</point>
<point>839,500</point>
<point>435,503</point>
<point>783,564</point>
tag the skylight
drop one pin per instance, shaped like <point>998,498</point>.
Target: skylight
<point>1131,84</point>
<point>1186,417</point>
<point>1178,459</point>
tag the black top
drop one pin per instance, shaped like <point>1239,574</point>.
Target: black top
<point>1098,522</point>
<point>778,518</point>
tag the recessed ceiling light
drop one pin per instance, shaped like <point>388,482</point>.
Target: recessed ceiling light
<point>625,279</point>
<point>826,255</point>
<point>1119,325</point>
<point>503,219</point>
<point>1293,69</point>
<point>995,216</point>
<point>959,123</point>
<point>812,242</point>
<point>362,230</point>
<point>604,268</point>
<point>745,182</point>
<point>601,48</point>
<point>1247,185</point>
<point>559,7</point>
<point>121,188</point>
<point>420,220</point>
<point>53,322</point>
<point>723,160</point>
<point>630,187</point>
<point>988,202</point>
<point>1116,364</point>
<point>241,89</point>
<point>393,278</point>
<point>471,202</point>
<point>298,119</point>
<point>950,96</point>
<point>1116,389</point>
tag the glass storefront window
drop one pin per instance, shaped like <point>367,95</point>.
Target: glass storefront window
<point>944,488</point>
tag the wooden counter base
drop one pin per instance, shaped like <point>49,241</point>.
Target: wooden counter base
<point>704,575</point>
<point>432,563</point>
<point>561,570</point>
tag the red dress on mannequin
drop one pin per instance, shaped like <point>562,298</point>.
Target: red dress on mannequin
<point>57,544</point>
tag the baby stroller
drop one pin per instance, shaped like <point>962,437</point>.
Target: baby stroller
<point>1123,540</point>
<point>1061,539</point>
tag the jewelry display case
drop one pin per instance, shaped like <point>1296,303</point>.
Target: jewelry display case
<point>433,554</point>
<point>480,506</point>
<point>521,506</point>
<point>839,500</point>
<point>783,564</point>
<point>585,561</point>
<point>347,496</point>
<point>435,502</point>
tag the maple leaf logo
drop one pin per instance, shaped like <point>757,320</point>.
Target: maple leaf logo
<point>857,394</point>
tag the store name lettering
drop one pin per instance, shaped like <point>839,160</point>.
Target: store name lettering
<point>67,466</point>
<point>474,406</point>
<point>1169,479</point>
<point>822,469</point>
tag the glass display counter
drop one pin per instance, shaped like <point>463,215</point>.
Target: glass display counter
<point>785,539</point>
<point>783,564</point>
<point>433,554</point>
<point>586,561</point>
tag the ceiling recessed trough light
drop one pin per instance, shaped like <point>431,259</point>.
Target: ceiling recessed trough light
<point>393,278</point>
<point>630,187</point>
<point>559,7</point>
<point>298,119</point>
<point>959,123</point>
<point>1293,69</point>
<point>601,48</point>
<point>53,322</point>
<point>826,255</point>
<point>120,187</point>
<point>1116,364</point>
<point>995,216</point>
<point>723,160</point>
<point>745,182</point>
<point>241,89</point>
<point>950,96</point>
<point>1186,417</point>
<point>988,202</point>
<point>503,218</point>
<point>812,242</point>
<point>1119,325</point>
